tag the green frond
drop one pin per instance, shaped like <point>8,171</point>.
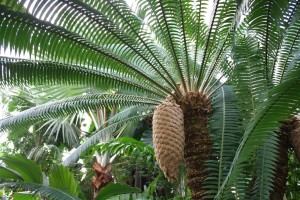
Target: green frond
<point>223,19</point>
<point>226,132</point>
<point>249,75</point>
<point>72,105</point>
<point>49,192</point>
<point>116,189</point>
<point>64,128</point>
<point>39,152</point>
<point>265,19</point>
<point>6,173</point>
<point>21,72</point>
<point>128,146</point>
<point>164,23</point>
<point>104,130</point>
<point>140,42</point>
<point>64,46</point>
<point>61,178</point>
<point>266,162</point>
<point>27,169</point>
<point>288,50</point>
<point>281,103</point>
<point>230,19</point>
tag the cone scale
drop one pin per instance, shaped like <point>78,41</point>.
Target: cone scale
<point>168,137</point>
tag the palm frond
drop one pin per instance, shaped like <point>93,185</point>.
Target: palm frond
<point>127,146</point>
<point>282,102</point>
<point>49,192</point>
<point>104,130</point>
<point>221,20</point>
<point>249,75</point>
<point>22,72</point>
<point>63,46</point>
<point>265,19</point>
<point>27,169</point>
<point>64,128</point>
<point>230,19</point>
<point>133,26</point>
<point>289,48</point>
<point>226,132</point>
<point>7,173</point>
<point>72,105</point>
<point>164,22</point>
<point>40,152</point>
<point>61,178</point>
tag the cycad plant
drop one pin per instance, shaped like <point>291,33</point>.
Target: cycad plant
<point>176,54</point>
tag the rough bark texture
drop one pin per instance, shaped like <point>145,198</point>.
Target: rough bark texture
<point>198,144</point>
<point>289,136</point>
<point>295,136</point>
<point>168,137</point>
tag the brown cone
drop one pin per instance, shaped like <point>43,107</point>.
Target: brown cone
<point>168,137</point>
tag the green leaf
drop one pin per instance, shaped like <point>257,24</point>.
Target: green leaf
<point>113,189</point>
<point>49,192</point>
<point>23,196</point>
<point>28,169</point>
<point>7,173</point>
<point>62,179</point>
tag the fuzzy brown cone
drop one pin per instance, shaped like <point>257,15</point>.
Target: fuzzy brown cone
<point>168,137</point>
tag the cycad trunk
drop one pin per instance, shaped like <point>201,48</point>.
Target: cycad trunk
<point>295,136</point>
<point>289,136</point>
<point>198,144</point>
<point>281,170</point>
<point>175,137</point>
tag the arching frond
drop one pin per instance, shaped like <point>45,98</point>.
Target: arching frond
<point>260,130</point>
<point>63,46</point>
<point>249,75</point>
<point>49,192</point>
<point>289,48</point>
<point>226,132</point>
<point>265,19</point>
<point>27,169</point>
<point>104,130</point>
<point>72,105</point>
<point>21,72</point>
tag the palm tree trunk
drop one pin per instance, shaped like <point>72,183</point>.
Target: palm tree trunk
<point>295,136</point>
<point>198,144</point>
<point>289,136</point>
<point>281,170</point>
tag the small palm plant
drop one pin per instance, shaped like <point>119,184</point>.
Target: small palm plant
<point>174,54</point>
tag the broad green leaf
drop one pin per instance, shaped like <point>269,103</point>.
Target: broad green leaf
<point>62,179</point>
<point>28,169</point>
<point>113,189</point>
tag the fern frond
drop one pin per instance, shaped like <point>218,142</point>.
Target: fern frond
<point>72,105</point>
<point>265,19</point>
<point>21,72</point>
<point>249,75</point>
<point>288,50</point>
<point>282,102</point>
<point>99,134</point>
<point>66,47</point>
<point>226,132</point>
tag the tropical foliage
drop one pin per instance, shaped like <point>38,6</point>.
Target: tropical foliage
<point>125,58</point>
